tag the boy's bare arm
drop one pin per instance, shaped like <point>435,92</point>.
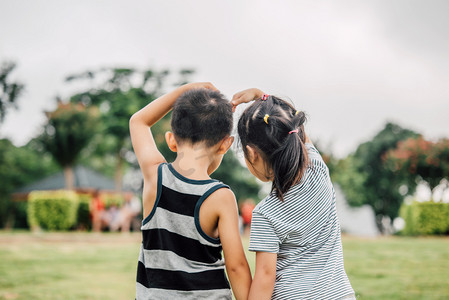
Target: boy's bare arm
<point>228,229</point>
<point>140,123</point>
<point>264,277</point>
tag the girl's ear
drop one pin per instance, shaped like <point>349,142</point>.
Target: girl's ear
<point>171,141</point>
<point>226,143</point>
<point>252,154</point>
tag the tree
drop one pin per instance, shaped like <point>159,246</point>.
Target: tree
<point>19,166</point>
<point>365,179</point>
<point>69,129</point>
<point>9,91</point>
<point>120,93</point>
<point>422,160</point>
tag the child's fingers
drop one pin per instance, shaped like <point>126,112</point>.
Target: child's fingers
<point>238,99</point>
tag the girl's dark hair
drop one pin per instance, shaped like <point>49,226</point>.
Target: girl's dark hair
<point>284,153</point>
<point>201,115</point>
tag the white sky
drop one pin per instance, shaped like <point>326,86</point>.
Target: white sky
<point>351,65</point>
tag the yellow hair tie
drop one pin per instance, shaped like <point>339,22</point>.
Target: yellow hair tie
<point>266,118</point>
<point>297,112</point>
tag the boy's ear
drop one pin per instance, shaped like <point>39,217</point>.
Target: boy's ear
<point>226,143</point>
<point>171,141</point>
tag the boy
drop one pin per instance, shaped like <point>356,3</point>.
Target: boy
<point>188,217</point>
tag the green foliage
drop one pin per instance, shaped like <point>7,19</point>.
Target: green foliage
<point>366,180</point>
<point>350,180</point>
<point>425,218</point>
<point>19,166</point>
<point>52,210</point>
<point>9,91</point>
<point>121,92</point>
<point>69,129</point>
<point>239,179</point>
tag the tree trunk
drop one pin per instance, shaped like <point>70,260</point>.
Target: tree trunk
<point>69,177</point>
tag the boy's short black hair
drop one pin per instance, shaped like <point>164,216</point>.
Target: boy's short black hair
<point>201,115</point>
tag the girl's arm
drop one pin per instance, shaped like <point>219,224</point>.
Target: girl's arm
<point>264,277</point>
<point>140,123</point>
<point>246,96</point>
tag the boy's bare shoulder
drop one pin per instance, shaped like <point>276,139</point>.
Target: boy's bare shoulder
<point>223,197</point>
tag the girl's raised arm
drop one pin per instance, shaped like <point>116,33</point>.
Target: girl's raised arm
<point>246,96</point>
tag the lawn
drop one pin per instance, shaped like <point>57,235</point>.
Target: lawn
<point>102,266</point>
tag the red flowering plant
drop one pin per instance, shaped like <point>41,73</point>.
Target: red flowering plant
<point>420,159</point>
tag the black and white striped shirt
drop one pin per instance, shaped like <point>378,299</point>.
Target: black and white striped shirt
<point>305,233</point>
<point>177,259</point>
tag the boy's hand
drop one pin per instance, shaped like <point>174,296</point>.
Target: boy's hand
<point>199,85</point>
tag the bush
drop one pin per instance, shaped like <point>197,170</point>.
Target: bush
<point>425,218</point>
<point>52,210</point>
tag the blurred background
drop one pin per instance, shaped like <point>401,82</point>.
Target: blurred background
<point>371,76</point>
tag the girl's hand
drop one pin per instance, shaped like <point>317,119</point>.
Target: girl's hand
<point>245,97</point>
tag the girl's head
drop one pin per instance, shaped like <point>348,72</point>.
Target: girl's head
<point>272,136</point>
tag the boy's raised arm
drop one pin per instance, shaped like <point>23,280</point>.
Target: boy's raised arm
<point>228,229</point>
<point>139,125</point>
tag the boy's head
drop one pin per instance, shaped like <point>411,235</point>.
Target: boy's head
<point>201,115</point>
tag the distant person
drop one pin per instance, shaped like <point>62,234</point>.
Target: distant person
<point>188,217</point>
<point>112,218</point>
<point>97,211</point>
<point>130,209</point>
<point>295,230</point>
<point>246,210</point>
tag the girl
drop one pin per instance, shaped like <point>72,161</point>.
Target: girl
<point>294,230</point>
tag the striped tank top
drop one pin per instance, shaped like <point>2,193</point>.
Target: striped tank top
<point>177,259</point>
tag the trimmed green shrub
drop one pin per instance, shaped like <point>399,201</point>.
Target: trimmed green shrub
<point>52,210</point>
<point>425,218</point>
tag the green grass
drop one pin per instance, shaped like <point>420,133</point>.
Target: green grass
<point>398,267</point>
<point>102,266</point>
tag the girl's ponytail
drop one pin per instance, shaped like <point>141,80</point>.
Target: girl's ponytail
<point>289,161</point>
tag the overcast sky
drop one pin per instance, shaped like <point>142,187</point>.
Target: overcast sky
<point>351,65</point>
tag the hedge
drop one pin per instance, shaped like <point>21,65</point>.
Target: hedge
<point>425,218</point>
<point>52,210</point>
